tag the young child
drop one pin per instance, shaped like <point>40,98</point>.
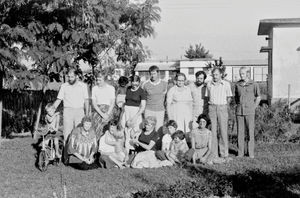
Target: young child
<point>117,139</point>
<point>178,148</point>
<point>167,139</point>
<point>201,139</point>
<point>52,121</point>
<point>131,133</point>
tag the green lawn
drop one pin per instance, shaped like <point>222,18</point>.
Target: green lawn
<point>20,178</point>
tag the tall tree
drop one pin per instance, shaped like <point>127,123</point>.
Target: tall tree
<point>197,52</point>
<point>56,34</point>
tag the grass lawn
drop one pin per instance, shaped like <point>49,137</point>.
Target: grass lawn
<point>275,169</point>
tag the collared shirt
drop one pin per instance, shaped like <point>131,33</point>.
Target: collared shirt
<point>74,95</point>
<point>217,92</point>
<point>104,94</point>
<point>245,95</point>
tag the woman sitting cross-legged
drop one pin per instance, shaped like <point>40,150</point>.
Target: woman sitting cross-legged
<point>81,146</point>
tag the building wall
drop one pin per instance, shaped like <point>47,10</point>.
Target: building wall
<point>286,62</point>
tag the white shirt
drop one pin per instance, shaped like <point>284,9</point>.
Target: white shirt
<point>218,92</point>
<point>103,147</point>
<point>103,95</point>
<point>74,95</point>
<point>166,142</point>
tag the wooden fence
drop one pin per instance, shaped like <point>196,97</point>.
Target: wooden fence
<point>20,108</point>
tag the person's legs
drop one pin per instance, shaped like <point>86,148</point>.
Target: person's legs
<point>214,144</point>
<point>241,134</point>
<point>222,114</point>
<point>78,115</point>
<point>250,129</point>
<point>68,123</point>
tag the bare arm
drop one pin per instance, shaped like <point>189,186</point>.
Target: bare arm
<point>86,106</point>
<point>257,101</point>
<point>56,103</point>
<point>111,106</point>
<point>97,109</point>
<point>146,146</point>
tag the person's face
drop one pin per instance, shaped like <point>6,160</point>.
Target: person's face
<point>87,126</point>
<point>112,129</point>
<point>154,75</point>
<point>171,129</point>
<point>176,139</point>
<point>216,75</point>
<point>149,126</point>
<point>100,80</point>
<point>243,74</point>
<point>71,78</point>
<point>200,80</point>
<point>202,124</point>
<point>135,84</point>
<point>50,111</point>
<point>180,81</point>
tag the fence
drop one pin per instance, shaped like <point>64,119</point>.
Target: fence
<point>20,109</point>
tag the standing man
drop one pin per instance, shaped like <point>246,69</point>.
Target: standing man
<point>219,95</point>
<point>198,89</point>
<point>75,97</point>
<point>247,97</point>
<point>156,90</point>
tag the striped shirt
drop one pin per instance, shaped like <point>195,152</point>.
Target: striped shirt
<point>217,92</point>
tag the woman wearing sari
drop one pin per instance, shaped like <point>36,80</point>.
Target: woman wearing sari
<point>103,100</point>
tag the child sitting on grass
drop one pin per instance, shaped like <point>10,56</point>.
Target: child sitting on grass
<point>178,148</point>
<point>201,139</point>
<point>167,138</point>
<point>116,138</point>
<point>52,121</point>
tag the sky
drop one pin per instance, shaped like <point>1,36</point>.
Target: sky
<point>227,28</point>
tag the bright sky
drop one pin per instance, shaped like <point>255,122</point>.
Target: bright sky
<point>227,28</point>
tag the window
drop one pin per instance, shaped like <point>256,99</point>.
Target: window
<point>191,71</point>
<point>260,74</point>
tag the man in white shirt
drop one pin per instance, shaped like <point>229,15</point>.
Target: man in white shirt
<point>75,100</point>
<point>219,95</point>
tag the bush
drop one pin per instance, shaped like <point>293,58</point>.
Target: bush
<point>272,123</point>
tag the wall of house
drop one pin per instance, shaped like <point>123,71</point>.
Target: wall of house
<point>286,62</point>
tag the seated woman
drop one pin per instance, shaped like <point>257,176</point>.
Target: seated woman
<point>145,146</point>
<point>111,146</point>
<point>201,139</point>
<point>82,145</point>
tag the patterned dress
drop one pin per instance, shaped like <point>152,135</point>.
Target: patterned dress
<point>99,122</point>
<point>84,145</point>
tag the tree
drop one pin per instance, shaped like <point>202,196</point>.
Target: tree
<point>198,52</point>
<point>57,34</point>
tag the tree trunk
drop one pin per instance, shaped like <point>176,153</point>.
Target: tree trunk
<point>1,102</point>
<point>39,112</point>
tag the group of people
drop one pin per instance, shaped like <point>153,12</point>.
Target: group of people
<point>126,126</point>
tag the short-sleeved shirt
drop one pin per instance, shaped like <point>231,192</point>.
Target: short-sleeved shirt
<point>217,92</point>
<point>201,137</point>
<point>134,98</point>
<point>74,95</point>
<point>198,94</point>
<point>104,94</point>
<point>245,95</point>
<point>146,139</point>
<point>155,95</point>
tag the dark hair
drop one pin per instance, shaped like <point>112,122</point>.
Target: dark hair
<point>178,134</point>
<point>123,81</point>
<point>216,69</point>
<point>86,119</point>
<point>153,68</point>
<point>198,73</point>
<point>135,78</point>
<point>72,70</point>
<point>203,116</point>
<point>172,123</point>
<point>113,122</point>
<point>180,74</point>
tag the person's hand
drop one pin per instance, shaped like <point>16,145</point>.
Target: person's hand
<point>105,116</point>
<point>90,160</point>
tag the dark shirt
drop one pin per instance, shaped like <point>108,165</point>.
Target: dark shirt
<point>134,98</point>
<point>146,139</point>
<point>245,95</point>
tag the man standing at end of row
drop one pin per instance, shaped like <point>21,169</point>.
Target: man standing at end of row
<point>247,97</point>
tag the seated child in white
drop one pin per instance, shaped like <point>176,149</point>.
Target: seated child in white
<point>201,139</point>
<point>52,121</point>
<point>167,139</point>
<point>178,148</point>
<point>131,133</point>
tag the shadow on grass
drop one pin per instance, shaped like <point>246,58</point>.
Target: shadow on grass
<point>254,183</point>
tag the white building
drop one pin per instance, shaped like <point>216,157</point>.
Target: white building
<point>283,36</point>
